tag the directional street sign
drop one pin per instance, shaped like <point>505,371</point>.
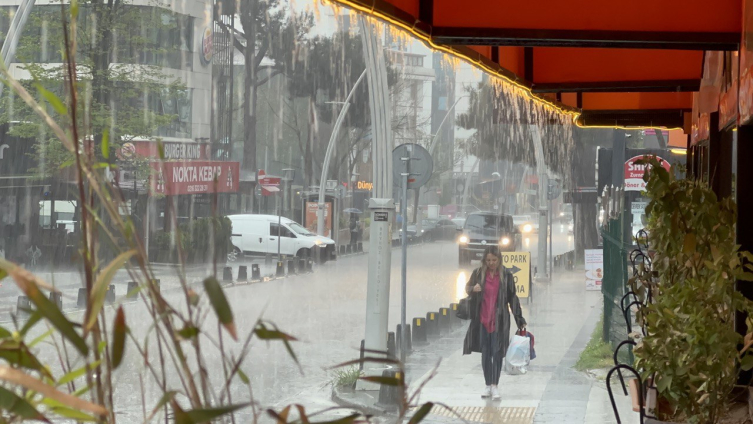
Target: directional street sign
<point>519,263</point>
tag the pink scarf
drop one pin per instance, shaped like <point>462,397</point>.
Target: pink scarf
<point>489,302</point>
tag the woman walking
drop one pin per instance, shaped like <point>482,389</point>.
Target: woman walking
<point>492,289</point>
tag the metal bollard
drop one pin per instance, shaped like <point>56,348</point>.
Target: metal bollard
<point>280,269</point>
<point>341,248</point>
<point>310,265</point>
<point>255,272</point>
<point>81,300</point>
<point>359,247</point>
<point>390,395</point>
<point>301,265</point>
<point>444,321</point>
<point>362,354</point>
<point>408,342</point>
<point>23,307</point>
<point>110,295</point>
<point>419,332</point>
<point>432,325</point>
<point>291,267</point>
<point>57,299</point>
<point>391,345</point>
<point>349,249</point>
<point>243,273</point>
<point>227,274</point>
<point>132,293</point>
<point>454,320</point>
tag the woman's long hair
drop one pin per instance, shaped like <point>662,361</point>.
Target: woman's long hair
<point>491,250</point>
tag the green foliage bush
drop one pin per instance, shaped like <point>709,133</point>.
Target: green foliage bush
<point>691,346</point>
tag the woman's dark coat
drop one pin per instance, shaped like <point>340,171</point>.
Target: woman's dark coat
<point>505,296</point>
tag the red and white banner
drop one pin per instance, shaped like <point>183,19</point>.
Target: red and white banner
<point>634,172</point>
<point>173,150</point>
<point>194,177</point>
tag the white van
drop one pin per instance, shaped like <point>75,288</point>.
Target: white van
<point>258,235</point>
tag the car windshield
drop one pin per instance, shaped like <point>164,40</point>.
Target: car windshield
<point>429,222</point>
<point>299,229</point>
<point>489,225</point>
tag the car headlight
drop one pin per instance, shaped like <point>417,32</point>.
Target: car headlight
<point>527,228</point>
<point>505,241</point>
<point>562,213</point>
<point>463,239</point>
<point>318,242</point>
<point>422,231</point>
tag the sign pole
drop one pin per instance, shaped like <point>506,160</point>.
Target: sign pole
<point>404,265</point>
<point>279,233</point>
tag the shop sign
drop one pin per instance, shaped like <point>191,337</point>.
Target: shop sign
<point>634,172</point>
<point>172,150</point>
<point>206,46</point>
<point>363,185</point>
<point>195,177</point>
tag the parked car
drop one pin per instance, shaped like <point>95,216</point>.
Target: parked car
<point>483,229</point>
<point>259,234</point>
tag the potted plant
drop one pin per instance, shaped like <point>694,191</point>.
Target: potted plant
<point>691,346</point>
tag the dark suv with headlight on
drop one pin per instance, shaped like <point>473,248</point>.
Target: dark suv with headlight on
<point>484,229</point>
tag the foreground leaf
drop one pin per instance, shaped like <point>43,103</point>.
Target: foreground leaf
<point>119,330</point>
<point>17,405</point>
<point>99,290</point>
<point>197,416</point>
<point>422,412</point>
<point>167,397</point>
<point>15,376</point>
<point>30,285</point>
<point>67,378</point>
<point>262,332</point>
<point>221,306</point>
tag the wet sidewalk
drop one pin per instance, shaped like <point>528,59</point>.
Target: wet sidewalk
<point>562,318</point>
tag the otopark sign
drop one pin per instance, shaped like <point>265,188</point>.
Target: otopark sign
<point>519,264</point>
<point>634,172</point>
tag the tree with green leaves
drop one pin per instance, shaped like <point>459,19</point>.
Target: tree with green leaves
<point>119,50</point>
<point>269,31</point>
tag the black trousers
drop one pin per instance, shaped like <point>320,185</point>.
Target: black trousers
<point>491,357</point>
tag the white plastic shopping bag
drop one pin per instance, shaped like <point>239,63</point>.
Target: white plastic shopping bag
<point>518,355</point>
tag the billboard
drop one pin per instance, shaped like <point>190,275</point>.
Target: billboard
<point>194,177</point>
<point>310,224</point>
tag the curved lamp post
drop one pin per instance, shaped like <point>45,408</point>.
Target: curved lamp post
<point>328,155</point>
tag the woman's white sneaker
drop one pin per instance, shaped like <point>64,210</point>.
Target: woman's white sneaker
<point>487,392</point>
<point>495,393</point>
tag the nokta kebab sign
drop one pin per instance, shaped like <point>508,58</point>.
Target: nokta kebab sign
<point>194,177</point>
<point>634,172</point>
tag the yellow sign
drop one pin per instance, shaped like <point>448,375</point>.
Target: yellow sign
<point>519,263</point>
<point>364,185</point>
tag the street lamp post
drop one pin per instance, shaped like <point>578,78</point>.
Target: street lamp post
<point>328,155</point>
